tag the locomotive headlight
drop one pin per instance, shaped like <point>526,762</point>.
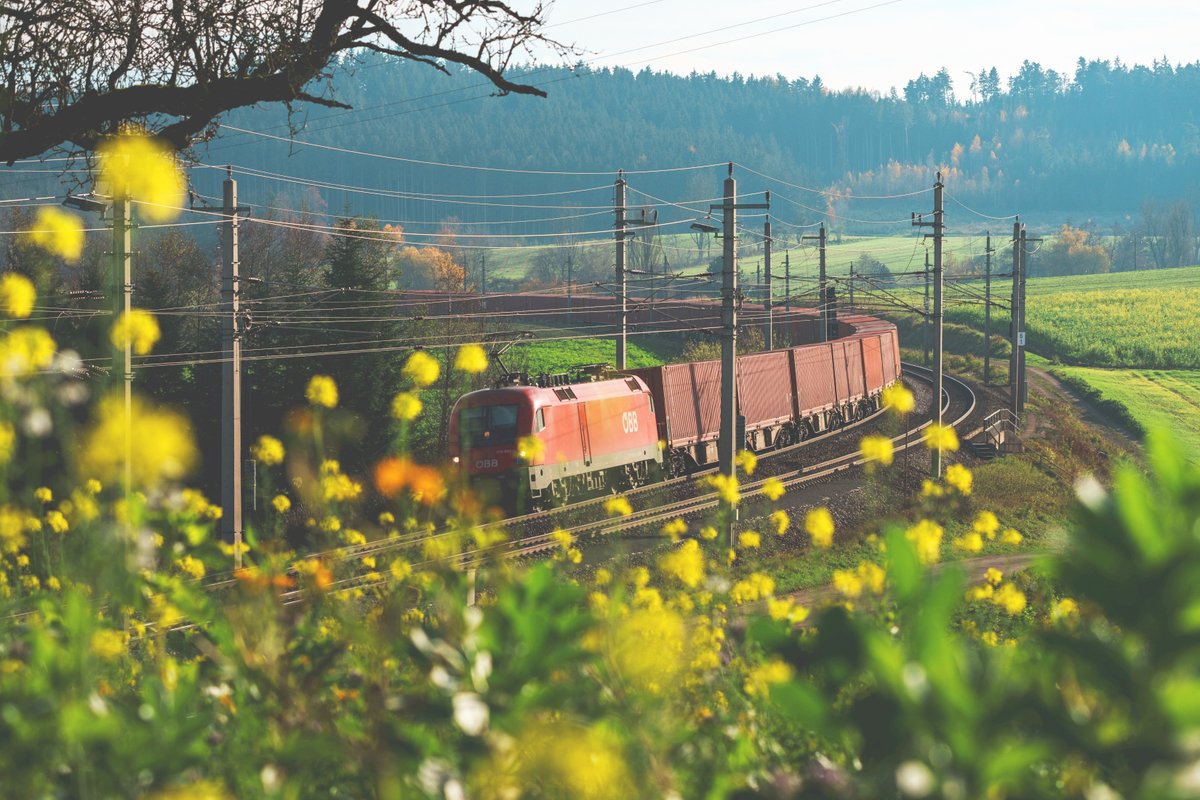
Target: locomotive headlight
<point>521,453</point>
<point>455,459</point>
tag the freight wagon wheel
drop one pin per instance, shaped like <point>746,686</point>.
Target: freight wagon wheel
<point>676,465</point>
<point>785,438</point>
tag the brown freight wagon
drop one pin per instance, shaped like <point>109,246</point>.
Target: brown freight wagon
<point>784,396</point>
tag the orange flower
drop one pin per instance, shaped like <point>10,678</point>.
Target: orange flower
<point>423,482</point>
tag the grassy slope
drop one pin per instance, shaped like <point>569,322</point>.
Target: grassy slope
<point>1152,398</point>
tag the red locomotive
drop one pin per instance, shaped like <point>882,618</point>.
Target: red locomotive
<point>542,444</point>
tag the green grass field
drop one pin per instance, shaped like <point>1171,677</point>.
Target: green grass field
<point>557,356</point>
<point>1152,398</point>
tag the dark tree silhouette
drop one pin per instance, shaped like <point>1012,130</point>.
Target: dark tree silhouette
<point>75,70</point>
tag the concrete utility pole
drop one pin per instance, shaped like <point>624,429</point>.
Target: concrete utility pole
<point>770,330</point>
<point>987,310</point>
<point>935,466</point>
<point>483,272</point>
<point>231,375</point>
<point>851,285</point>
<point>823,303</point>
<point>727,440</point>
<point>1014,358</point>
<point>925,319</point>
<point>122,294</point>
<point>622,284</point>
<point>1024,382</point>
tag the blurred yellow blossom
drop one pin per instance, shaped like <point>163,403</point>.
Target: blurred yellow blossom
<point>162,446</point>
<point>872,575</point>
<point>26,349</point>
<point>926,535</point>
<point>708,533</point>
<point>685,564</point>
<point>818,524</point>
<point>281,503</point>
<point>747,461</point>
<point>749,539</point>
<point>471,358</point>
<point>268,450</point>
<point>960,478</point>
<point>847,583</point>
<point>993,576</point>
<point>190,566</point>
<point>617,506</point>
<point>780,521</point>
<point>8,442</point>
<point>137,329</point>
<point>772,488</point>
<point>406,406</point>
<point>137,167</point>
<point>648,647</point>
<point>941,437</point>
<point>422,369</point>
<point>108,645</point>
<point>1065,610</point>
<point>970,542</point>
<point>1010,598</point>
<point>17,294</point>
<point>675,529</point>
<point>755,586</point>
<point>531,448</point>
<point>990,638</point>
<point>43,494</point>
<point>726,487</point>
<point>898,398</point>
<point>602,577</point>
<point>981,592</point>
<point>57,522</point>
<point>876,449</point>
<point>92,485</point>
<point>1010,537</point>
<point>762,676</point>
<point>322,391</point>
<point>784,608</point>
<point>986,524</point>
<point>57,232</point>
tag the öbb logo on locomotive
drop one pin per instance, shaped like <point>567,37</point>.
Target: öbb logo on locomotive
<point>607,432</point>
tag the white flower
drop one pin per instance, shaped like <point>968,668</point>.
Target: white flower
<point>470,713</point>
<point>914,779</point>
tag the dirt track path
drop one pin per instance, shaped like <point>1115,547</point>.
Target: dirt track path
<point>1046,384</point>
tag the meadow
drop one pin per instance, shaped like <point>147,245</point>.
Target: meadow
<point>1148,399</point>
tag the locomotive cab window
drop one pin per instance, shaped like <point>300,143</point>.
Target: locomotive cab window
<point>539,421</point>
<point>488,426</point>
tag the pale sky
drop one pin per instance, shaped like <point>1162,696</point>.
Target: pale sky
<point>876,48</point>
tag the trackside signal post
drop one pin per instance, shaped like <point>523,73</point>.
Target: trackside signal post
<point>770,331</point>
<point>1015,332</point>
<point>231,375</point>
<point>938,225</point>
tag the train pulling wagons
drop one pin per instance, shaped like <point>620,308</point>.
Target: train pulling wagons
<point>538,444</point>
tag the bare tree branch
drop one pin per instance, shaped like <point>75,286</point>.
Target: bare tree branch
<point>76,70</point>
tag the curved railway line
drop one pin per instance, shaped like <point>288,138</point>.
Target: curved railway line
<point>958,406</point>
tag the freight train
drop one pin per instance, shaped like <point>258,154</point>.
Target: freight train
<point>534,444</point>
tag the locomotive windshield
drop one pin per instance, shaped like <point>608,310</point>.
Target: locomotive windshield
<point>488,426</point>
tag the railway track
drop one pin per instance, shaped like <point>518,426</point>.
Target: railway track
<point>958,405</point>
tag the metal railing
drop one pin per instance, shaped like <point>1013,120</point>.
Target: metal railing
<point>999,423</point>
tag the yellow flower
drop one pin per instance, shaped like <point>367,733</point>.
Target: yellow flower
<point>400,569</point>
<point>675,529</point>
<point>137,329</point>
<point>107,644</point>
<point>1010,598</point>
<point>708,533</point>
<point>471,358</point>
<point>780,520</point>
<point>603,577</point>
<point>941,437</point>
<point>898,399</point>
<point>927,536</point>
<point>685,564</point>
<point>143,169</point>
<point>761,677</point>
<point>818,524</point>
<point>57,522</point>
<point>981,592</point>
<point>322,391</point>
<point>747,461</point>
<point>26,350</point>
<point>617,507</point>
<point>531,448</point>
<point>422,369</point>
<point>931,489</point>
<point>386,518</point>
<point>268,450</point>
<point>162,445</point>
<point>990,638</point>
<point>749,539</point>
<point>872,576</point>
<point>43,494</point>
<point>56,232</point>
<point>190,566</point>
<point>562,538</point>
<point>406,406</point>
<point>960,478</point>
<point>986,524</point>
<point>648,646</point>
<point>993,576</point>
<point>8,441</point>
<point>53,584</point>
<point>971,542</point>
<point>92,486</point>
<point>876,449</point>
<point>785,608</point>
<point>281,503</point>
<point>17,294</point>
<point>847,583</point>
<point>755,586</point>
<point>1010,537</point>
<point>1065,610</point>
<point>198,790</point>
<point>772,488</point>
<point>726,487</point>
